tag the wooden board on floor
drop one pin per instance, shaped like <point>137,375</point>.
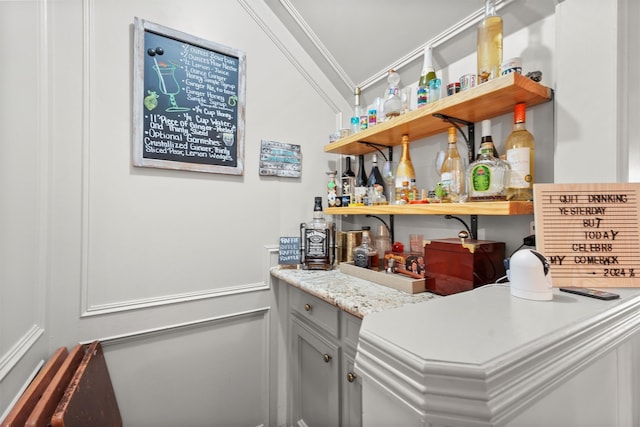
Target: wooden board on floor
<point>32,395</point>
<point>41,414</point>
<point>89,399</point>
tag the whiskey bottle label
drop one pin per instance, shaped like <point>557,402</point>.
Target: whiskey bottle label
<point>360,259</point>
<point>315,243</point>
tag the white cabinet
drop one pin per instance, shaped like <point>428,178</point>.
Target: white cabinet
<point>325,390</point>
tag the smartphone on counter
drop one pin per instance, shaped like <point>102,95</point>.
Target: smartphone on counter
<point>591,293</point>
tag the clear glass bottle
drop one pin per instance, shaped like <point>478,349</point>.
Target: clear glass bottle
<point>489,43</point>
<point>428,74</point>
<point>452,174</point>
<point>348,183</point>
<point>487,176</point>
<point>393,103</point>
<point>382,244</point>
<point>365,255</point>
<point>404,171</point>
<point>520,150</point>
<point>317,239</point>
<point>359,113</point>
<point>435,90</point>
<point>375,182</point>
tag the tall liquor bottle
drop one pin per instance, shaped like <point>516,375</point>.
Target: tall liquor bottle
<point>405,171</point>
<point>486,137</point>
<point>489,43</point>
<point>451,174</point>
<point>521,148</point>
<point>428,74</point>
<point>360,118</point>
<point>317,249</point>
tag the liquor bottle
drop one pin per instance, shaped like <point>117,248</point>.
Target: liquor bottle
<point>489,43</point>
<point>451,174</point>
<point>405,171</point>
<point>414,194</point>
<point>486,137</point>
<point>404,193</point>
<point>360,191</point>
<point>382,243</point>
<point>375,182</point>
<point>487,176</point>
<point>365,255</point>
<point>520,147</point>
<point>348,183</point>
<point>393,103</point>
<point>428,74</point>
<point>359,114</point>
<point>317,241</point>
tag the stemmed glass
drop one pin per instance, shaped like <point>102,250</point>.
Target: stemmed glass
<point>389,177</point>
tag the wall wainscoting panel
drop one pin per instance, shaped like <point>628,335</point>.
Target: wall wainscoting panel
<point>212,371</point>
<point>102,309</point>
<point>19,349</point>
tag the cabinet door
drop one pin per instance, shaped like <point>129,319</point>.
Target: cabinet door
<point>316,397</point>
<point>351,393</point>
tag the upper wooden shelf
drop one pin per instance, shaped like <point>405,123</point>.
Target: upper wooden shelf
<point>469,208</point>
<point>493,98</point>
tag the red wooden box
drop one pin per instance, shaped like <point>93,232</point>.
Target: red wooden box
<point>456,266</point>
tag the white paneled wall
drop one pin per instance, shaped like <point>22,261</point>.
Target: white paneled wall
<point>167,268</point>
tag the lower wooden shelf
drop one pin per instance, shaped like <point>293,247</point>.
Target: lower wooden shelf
<point>469,208</point>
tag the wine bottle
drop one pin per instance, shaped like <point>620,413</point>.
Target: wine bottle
<point>361,176</point>
<point>405,171</point>
<point>489,43</point>
<point>520,148</point>
<point>428,74</point>
<point>451,174</point>
<point>375,182</point>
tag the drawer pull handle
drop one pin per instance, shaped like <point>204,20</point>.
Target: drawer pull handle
<point>327,358</point>
<point>307,307</point>
<point>351,377</point>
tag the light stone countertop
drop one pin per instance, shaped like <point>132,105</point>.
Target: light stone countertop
<point>351,294</point>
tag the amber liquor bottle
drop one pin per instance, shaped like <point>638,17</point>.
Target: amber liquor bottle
<point>317,248</point>
<point>366,255</point>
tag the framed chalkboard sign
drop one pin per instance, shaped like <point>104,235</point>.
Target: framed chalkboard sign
<point>189,102</point>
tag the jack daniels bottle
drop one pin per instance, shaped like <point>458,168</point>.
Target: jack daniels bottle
<point>317,248</point>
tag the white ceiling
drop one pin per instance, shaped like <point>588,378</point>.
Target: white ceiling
<point>355,42</point>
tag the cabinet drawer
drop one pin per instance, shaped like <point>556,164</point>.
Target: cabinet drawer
<point>320,313</point>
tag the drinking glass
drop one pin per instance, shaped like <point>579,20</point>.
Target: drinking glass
<point>389,177</point>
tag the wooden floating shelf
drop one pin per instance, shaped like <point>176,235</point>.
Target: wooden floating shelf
<point>493,98</point>
<point>470,208</point>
